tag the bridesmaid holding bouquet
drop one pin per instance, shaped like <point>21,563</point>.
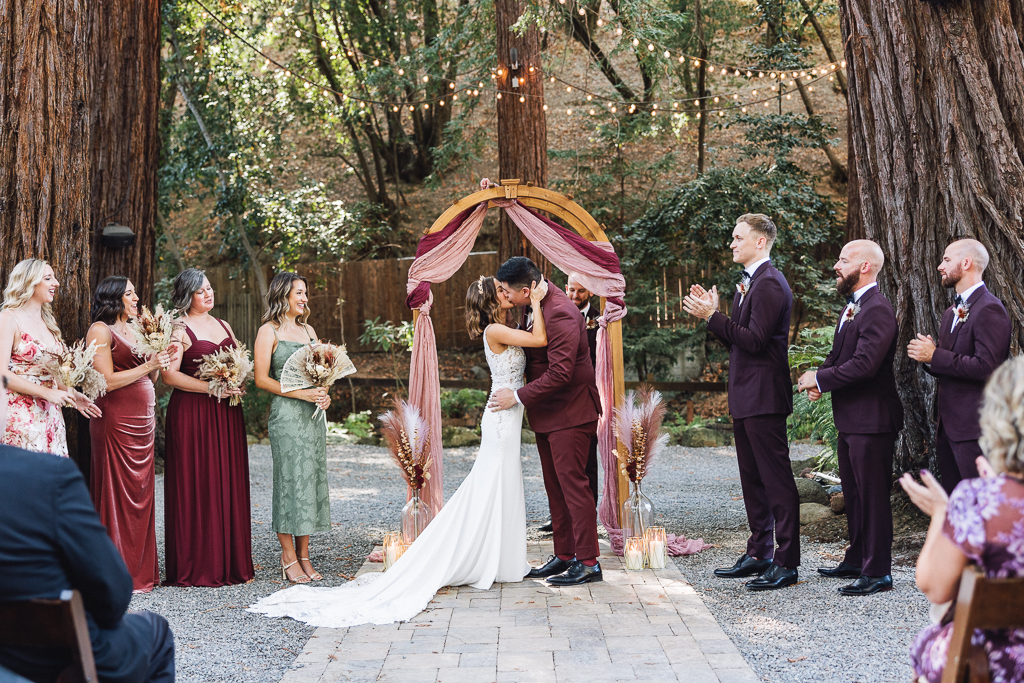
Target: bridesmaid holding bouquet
<point>206,483</point>
<point>298,442</point>
<point>123,466</point>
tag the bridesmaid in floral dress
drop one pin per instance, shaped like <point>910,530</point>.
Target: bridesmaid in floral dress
<point>982,522</point>
<point>206,481</point>
<point>27,330</point>
<point>298,443</point>
<point>123,465</point>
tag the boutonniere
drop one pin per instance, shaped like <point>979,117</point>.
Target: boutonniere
<point>741,289</point>
<point>963,311</point>
<point>851,311</point>
<point>591,323</point>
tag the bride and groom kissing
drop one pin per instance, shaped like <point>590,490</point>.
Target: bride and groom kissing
<point>541,366</point>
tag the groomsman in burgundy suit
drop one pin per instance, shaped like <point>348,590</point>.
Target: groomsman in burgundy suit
<point>974,339</point>
<point>590,311</point>
<point>760,399</point>
<point>563,405</point>
<point>867,413</point>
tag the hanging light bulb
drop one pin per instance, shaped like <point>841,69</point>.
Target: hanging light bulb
<point>613,110</point>
<point>499,96</point>
<point>618,31</point>
<point>376,62</point>
<point>636,41</point>
<point>696,62</point>
<point>441,103</point>
<point>591,112</point>
<point>568,112</point>
<point>600,22</point>
<point>650,47</point>
<point>545,107</point>
<point>667,55</point>
<point>451,86</point>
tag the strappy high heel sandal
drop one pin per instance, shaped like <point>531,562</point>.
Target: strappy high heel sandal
<point>315,576</point>
<point>301,578</point>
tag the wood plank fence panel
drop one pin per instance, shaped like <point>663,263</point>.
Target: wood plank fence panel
<point>342,296</point>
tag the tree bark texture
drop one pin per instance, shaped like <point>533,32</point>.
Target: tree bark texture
<point>935,95</point>
<point>44,148</point>
<point>124,76</point>
<point>522,126</point>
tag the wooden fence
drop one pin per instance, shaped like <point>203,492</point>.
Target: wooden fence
<point>342,296</point>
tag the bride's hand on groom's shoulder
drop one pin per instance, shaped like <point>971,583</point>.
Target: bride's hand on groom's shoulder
<point>538,291</point>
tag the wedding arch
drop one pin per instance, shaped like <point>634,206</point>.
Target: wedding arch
<point>584,250</point>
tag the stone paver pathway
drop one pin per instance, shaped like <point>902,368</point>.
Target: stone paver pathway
<point>633,626</point>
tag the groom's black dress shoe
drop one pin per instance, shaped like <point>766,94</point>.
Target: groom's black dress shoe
<point>576,574</point>
<point>552,567</point>
<point>776,577</point>
<point>744,567</point>
<point>866,585</point>
<point>546,527</point>
<point>843,571</point>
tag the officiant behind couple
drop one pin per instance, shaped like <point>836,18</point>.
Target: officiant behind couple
<point>479,537</point>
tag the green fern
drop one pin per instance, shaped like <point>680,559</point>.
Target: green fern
<point>813,419</point>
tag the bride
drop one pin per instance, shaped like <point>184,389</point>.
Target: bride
<point>479,537</point>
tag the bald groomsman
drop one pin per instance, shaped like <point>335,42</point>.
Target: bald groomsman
<point>974,339</point>
<point>868,415</point>
<point>760,399</point>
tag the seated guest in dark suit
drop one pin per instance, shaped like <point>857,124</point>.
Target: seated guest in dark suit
<point>51,540</point>
<point>867,413</point>
<point>591,311</point>
<point>760,400</point>
<point>974,339</point>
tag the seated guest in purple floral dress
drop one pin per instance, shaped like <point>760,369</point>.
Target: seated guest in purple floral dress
<point>982,522</point>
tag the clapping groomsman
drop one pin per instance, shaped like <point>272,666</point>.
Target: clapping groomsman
<point>974,339</point>
<point>867,413</point>
<point>760,399</point>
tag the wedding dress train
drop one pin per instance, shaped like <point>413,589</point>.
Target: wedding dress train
<point>478,538</point>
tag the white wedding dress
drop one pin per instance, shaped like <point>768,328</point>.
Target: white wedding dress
<point>477,539</point>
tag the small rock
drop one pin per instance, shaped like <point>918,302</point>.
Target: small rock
<point>250,439</point>
<point>479,372</point>
<point>837,502</point>
<point>455,437</point>
<point>701,437</point>
<point>800,465</point>
<point>528,436</point>
<point>265,442</point>
<point>811,492</point>
<point>813,512</point>
<point>371,440</point>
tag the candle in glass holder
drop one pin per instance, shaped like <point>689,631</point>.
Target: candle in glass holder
<point>657,547</point>
<point>634,554</point>
<point>392,548</point>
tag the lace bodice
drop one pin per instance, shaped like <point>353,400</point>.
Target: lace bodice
<point>507,367</point>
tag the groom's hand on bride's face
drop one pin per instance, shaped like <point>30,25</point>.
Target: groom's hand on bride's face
<point>502,399</point>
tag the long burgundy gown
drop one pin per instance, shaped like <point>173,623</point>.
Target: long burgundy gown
<point>206,484</point>
<point>123,468</point>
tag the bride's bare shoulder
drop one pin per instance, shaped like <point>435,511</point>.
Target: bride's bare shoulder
<point>495,337</point>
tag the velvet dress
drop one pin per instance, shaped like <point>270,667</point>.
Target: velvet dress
<point>124,469</point>
<point>206,484</point>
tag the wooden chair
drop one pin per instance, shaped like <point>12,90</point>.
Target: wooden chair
<point>986,604</point>
<point>52,623</point>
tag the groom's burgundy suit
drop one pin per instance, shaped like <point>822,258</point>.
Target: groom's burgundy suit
<point>868,415</point>
<point>562,405</point>
<point>760,398</point>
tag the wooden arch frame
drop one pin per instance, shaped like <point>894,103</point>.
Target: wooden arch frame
<point>575,217</point>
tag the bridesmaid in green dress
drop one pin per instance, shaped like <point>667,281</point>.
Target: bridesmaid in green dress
<point>298,443</point>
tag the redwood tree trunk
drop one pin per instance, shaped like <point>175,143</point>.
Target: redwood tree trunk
<point>44,148</point>
<point>522,127</point>
<point>124,76</point>
<point>935,96</point>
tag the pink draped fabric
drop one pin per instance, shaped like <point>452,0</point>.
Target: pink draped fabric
<point>437,259</point>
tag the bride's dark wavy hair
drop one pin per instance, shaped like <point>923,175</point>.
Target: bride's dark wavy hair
<point>483,306</point>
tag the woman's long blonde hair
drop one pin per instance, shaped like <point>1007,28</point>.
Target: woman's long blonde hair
<point>277,299</point>
<point>1002,417</point>
<point>21,286</point>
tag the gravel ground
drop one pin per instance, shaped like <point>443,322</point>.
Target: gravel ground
<point>808,632</point>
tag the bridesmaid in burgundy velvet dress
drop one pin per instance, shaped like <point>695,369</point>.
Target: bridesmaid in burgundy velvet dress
<point>123,468</point>
<point>206,481</point>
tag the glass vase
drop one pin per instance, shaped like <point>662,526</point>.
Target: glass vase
<point>637,513</point>
<point>657,547</point>
<point>416,515</point>
<point>633,554</point>
<point>392,548</point>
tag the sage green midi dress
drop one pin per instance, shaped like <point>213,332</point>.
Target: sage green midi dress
<point>298,444</point>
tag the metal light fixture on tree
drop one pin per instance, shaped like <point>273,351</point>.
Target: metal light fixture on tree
<point>117,236</point>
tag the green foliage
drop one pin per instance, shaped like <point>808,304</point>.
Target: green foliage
<point>359,424</point>
<point>813,419</point>
<point>676,425</point>
<point>387,336</point>
<point>461,402</point>
<point>256,408</point>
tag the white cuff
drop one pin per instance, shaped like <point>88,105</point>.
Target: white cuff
<point>816,383</point>
<point>516,394</point>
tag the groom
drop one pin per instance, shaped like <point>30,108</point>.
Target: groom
<point>562,404</point>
